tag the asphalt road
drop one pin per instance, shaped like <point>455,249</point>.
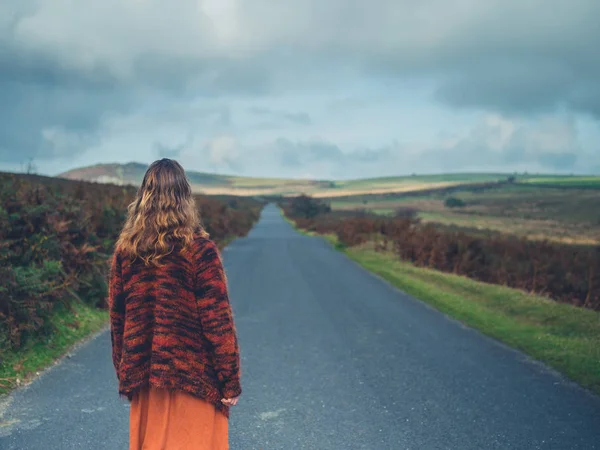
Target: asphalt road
<point>332,358</point>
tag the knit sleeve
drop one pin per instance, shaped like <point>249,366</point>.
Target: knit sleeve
<point>116,305</point>
<point>217,319</point>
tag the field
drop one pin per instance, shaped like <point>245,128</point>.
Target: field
<point>568,215</point>
<point>575,182</point>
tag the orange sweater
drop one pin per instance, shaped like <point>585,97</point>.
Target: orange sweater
<point>172,326</point>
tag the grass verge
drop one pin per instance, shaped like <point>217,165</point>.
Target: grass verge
<point>562,336</point>
<point>70,326</point>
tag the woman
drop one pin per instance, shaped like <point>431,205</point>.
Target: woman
<point>175,348</point>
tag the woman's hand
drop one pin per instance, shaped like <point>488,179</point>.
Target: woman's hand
<point>230,401</point>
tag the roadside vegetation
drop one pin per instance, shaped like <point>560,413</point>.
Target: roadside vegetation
<point>55,240</point>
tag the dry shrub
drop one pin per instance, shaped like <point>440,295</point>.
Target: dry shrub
<point>55,239</point>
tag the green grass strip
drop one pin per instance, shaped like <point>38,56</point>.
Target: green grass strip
<point>70,326</point>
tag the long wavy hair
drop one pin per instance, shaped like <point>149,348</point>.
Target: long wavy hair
<point>163,217</point>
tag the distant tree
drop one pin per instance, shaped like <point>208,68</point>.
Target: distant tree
<point>308,207</point>
<point>406,212</point>
<point>454,202</point>
<point>31,167</point>
<point>511,179</point>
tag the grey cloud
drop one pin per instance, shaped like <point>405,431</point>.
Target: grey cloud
<point>587,100</point>
<point>496,144</point>
<point>290,158</point>
<point>347,103</point>
<point>372,155</point>
<point>59,81</point>
<point>32,116</point>
<point>305,153</point>
<point>276,116</point>
<point>515,58</point>
<point>500,54</point>
<point>299,118</point>
<point>560,163</point>
<point>508,93</point>
<point>501,144</point>
<point>300,153</point>
<point>169,151</point>
<point>531,86</point>
<point>203,115</point>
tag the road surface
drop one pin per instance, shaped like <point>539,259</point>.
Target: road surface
<point>333,358</point>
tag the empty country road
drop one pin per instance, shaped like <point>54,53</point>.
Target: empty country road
<point>332,358</point>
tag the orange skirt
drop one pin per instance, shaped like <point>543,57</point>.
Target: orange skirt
<point>174,420</point>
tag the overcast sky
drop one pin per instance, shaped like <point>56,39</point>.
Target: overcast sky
<point>302,88</point>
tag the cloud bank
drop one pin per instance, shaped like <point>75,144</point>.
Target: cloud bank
<point>324,87</point>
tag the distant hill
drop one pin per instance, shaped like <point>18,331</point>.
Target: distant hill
<point>207,183</point>
<point>214,184</point>
<point>130,173</point>
<point>133,173</point>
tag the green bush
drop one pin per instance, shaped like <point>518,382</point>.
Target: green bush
<point>454,202</point>
<point>307,207</point>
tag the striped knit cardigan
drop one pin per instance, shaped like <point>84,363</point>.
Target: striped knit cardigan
<point>172,326</point>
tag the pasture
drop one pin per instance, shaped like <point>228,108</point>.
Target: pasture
<point>568,215</point>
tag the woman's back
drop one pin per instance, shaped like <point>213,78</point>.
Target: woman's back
<point>172,326</point>
<point>177,315</point>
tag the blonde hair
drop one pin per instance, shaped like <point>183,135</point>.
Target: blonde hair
<point>163,215</point>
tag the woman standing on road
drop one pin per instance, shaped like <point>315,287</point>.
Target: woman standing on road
<point>175,348</point>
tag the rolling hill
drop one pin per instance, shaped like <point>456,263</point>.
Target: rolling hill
<point>215,184</point>
<point>208,183</point>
